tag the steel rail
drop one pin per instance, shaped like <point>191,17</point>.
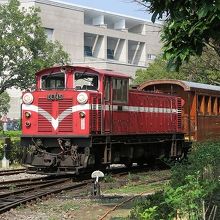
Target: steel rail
<point>7,182</point>
<point>13,201</point>
<point>13,186</point>
<point>28,189</point>
<point>11,172</point>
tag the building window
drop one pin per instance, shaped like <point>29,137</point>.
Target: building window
<point>112,47</point>
<point>110,54</point>
<point>151,56</point>
<point>90,44</point>
<point>49,33</point>
<point>87,51</point>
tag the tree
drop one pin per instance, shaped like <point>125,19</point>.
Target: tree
<point>24,48</point>
<point>156,70</point>
<point>190,25</point>
<point>4,103</point>
<point>203,69</point>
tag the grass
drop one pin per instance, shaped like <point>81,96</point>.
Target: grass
<point>109,178</point>
<point>136,189</point>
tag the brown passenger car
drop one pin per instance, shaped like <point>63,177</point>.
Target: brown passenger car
<point>201,110</point>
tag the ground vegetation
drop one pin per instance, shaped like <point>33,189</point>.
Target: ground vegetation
<point>192,192</point>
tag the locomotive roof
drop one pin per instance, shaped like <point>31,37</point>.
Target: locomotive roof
<point>84,69</point>
<point>186,85</point>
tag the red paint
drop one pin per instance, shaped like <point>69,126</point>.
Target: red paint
<point>101,121</point>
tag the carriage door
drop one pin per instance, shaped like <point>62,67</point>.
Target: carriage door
<point>107,106</point>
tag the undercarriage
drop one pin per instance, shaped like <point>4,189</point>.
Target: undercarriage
<point>74,155</point>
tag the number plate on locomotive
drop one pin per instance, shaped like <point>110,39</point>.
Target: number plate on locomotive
<point>54,97</point>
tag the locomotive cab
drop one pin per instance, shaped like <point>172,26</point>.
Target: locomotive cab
<point>63,115</point>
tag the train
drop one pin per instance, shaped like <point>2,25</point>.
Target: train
<point>201,109</point>
<point>80,118</point>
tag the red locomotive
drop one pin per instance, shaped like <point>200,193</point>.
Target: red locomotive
<point>80,117</point>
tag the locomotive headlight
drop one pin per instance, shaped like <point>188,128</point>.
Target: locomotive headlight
<point>27,124</point>
<point>27,114</point>
<point>82,98</point>
<point>82,114</point>
<point>28,98</point>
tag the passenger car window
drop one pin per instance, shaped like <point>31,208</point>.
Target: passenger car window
<point>120,90</point>
<point>86,81</point>
<point>53,81</point>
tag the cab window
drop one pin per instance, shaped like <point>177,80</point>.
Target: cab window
<point>107,89</point>
<point>53,81</point>
<point>120,90</point>
<point>86,81</point>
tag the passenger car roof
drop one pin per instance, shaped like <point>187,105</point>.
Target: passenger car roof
<point>186,85</point>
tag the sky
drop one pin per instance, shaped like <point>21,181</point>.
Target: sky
<point>126,7</point>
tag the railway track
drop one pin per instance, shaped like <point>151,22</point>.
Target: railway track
<point>16,192</point>
<point>21,193</point>
<point>12,172</point>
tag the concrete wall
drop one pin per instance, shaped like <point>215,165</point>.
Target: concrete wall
<point>68,28</point>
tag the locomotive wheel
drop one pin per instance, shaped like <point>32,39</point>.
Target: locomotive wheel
<point>141,162</point>
<point>128,162</point>
<point>151,162</point>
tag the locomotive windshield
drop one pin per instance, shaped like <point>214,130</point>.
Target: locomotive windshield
<point>53,81</point>
<point>86,81</point>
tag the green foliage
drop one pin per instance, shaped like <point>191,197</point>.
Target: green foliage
<point>150,213</point>
<point>191,189</point>
<point>190,26</point>
<point>24,48</point>
<point>4,103</point>
<point>186,200</point>
<point>203,159</point>
<point>133,177</point>
<point>13,151</point>
<point>109,178</point>
<point>203,69</point>
<point>157,70</point>
<point>151,208</point>
<point>10,134</point>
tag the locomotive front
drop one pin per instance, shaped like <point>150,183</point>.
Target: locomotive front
<point>58,118</point>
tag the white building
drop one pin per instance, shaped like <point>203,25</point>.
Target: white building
<point>99,38</point>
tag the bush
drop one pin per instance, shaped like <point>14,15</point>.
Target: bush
<point>153,208</point>
<point>191,189</point>
<point>10,134</point>
<point>203,159</point>
<point>13,151</point>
